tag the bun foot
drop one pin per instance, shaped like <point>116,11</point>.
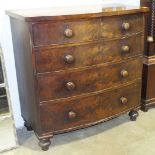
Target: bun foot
<point>44,144</point>
<point>144,108</point>
<point>28,126</point>
<point>133,115</point>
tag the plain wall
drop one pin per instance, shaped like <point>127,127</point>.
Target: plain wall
<point>6,40</point>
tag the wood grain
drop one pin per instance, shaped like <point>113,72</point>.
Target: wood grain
<point>99,81</point>
<point>88,109</point>
<point>52,59</point>
<point>111,27</point>
<point>53,32</point>
<point>52,86</point>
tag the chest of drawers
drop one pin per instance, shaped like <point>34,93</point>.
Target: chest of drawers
<point>77,70</point>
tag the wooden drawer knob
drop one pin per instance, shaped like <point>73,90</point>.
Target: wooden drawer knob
<point>126,26</point>
<point>70,85</point>
<point>125,49</point>
<point>69,59</point>
<point>124,73</point>
<point>124,100</point>
<point>68,33</point>
<point>71,115</point>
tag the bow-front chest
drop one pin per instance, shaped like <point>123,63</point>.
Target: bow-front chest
<point>77,69</point>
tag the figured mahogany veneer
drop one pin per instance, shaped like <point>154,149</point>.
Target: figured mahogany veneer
<point>53,85</point>
<point>51,33</point>
<point>54,58</point>
<point>77,70</point>
<point>115,27</point>
<point>89,109</point>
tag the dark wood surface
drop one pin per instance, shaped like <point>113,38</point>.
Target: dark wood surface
<point>54,32</point>
<point>88,109</point>
<point>51,33</point>
<point>53,86</point>
<point>112,27</point>
<point>148,87</point>
<point>148,93</point>
<point>70,69</point>
<point>150,28</point>
<point>53,58</point>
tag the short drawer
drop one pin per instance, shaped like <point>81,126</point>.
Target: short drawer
<point>119,26</point>
<point>54,59</point>
<point>51,33</point>
<point>75,113</point>
<point>73,83</point>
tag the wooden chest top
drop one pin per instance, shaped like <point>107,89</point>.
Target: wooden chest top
<point>74,12</point>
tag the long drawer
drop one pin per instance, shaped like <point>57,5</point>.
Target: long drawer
<point>64,58</point>
<point>76,82</point>
<point>66,114</point>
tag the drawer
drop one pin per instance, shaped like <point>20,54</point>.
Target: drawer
<point>64,58</point>
<point>50,33</point>
<point>81,112</point>
<point>119,26</point>
<point>73,83</point>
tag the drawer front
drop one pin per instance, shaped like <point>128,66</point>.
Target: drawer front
<point>72,83</point>
<point>115,27</point>
<point>50,33</point>
<point>54,59</point>
<point>75,113</point>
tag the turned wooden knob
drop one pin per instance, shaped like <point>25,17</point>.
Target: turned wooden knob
<point>124,100</point>
<point>69,59</point>
<point>124,73</point>
<point>71,115</point>
<point>70,85</point>
<point>125,48</point>
<point>126,26</point>
<point>68,33</point>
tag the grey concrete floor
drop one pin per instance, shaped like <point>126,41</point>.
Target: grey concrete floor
<point>119,136</point>
<point>7,135</point>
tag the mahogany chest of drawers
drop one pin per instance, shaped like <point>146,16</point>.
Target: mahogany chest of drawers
<point>77,70</point>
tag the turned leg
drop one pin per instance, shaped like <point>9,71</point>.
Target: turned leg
<point>133,115</point>
<point>144,108</point>
<point>44,144</point>
<point>28,126</point>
